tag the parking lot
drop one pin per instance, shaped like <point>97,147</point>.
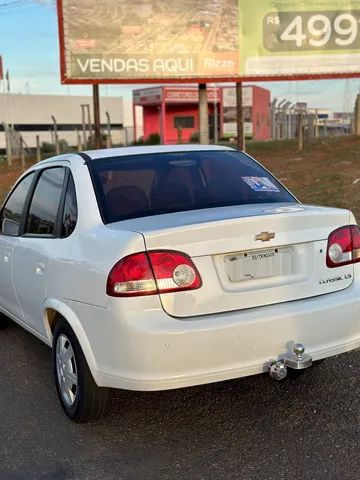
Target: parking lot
<point>252,428</point>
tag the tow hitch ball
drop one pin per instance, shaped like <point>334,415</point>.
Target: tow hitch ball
<point>298,360</point>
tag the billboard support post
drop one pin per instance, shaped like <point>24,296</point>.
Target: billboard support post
<point>96,103</point>
<point>203,115</point>
<point>240,117</point>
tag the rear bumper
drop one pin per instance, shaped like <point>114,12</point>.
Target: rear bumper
<point>148,350</point>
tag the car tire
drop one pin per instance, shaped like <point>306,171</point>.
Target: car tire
<point>80,397</point>
<point>292,373</point>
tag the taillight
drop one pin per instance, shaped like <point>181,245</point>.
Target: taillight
<point>160,271</point>
<point>343,246</point>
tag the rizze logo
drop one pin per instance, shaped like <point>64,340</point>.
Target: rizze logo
<point>336,279</point>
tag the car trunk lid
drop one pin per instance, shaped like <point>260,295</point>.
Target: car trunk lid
<point>248,256</point>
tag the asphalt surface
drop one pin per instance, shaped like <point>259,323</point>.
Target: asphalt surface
<point>252,428</point>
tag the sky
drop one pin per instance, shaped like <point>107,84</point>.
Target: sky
<point>30,49</point>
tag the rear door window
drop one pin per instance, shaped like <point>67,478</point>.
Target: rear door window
<point>152,184</point>
<point>44,205</point>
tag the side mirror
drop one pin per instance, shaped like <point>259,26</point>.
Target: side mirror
<point>10,227</point>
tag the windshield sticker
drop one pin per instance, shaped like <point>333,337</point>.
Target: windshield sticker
<point>260,184</point>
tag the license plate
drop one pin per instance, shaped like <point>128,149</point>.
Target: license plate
<point>252,265</point>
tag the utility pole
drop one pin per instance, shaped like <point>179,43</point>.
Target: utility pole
<point>96,104</point>
<point>203,114</point>
<point>240,117</point>
<point>57,146</point>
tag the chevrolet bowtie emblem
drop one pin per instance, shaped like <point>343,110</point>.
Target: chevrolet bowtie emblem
<point>264,236</point>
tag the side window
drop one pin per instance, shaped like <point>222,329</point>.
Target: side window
<point>45,202</point>
<point>184,122</point>
<point>70,212</point>
<point>10,215</point>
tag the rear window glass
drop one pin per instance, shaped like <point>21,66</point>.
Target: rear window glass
<point>153,184</point>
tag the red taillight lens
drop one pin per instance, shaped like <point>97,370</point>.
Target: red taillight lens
<point>131,276</point>
<point>153,272</point>
<point>343,246</point>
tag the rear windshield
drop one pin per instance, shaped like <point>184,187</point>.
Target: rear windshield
<point>154,184</point>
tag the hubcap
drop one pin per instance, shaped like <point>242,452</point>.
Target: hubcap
<point>66,370</point>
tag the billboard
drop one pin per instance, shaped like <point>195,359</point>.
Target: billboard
<point>139,41</point>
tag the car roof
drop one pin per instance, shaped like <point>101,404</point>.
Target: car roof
<point>125,151</point>
<point>77,157</point>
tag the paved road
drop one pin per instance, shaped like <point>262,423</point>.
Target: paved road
<point>245,429</point>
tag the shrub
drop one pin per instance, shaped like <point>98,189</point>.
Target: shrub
<point>47,147</point>
<point>138,142</point>
<point>64,146</point>
<point>153,139</point>
<point>195,137</point>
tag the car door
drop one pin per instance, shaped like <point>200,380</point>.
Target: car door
<point>36,245</point>
<point>11,218</point>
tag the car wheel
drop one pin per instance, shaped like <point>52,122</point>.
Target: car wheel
<point>80,397</point>
<point>292,373</point>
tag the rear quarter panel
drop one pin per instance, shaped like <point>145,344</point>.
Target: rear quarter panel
<point>80,263</point>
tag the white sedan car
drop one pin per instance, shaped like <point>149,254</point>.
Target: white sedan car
<point>154,268</point>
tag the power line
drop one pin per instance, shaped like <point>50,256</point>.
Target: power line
<point>25,8</point>
<point>14,3</point>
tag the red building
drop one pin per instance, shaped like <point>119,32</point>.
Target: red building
<point>173,112</point>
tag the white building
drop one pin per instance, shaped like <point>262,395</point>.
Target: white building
<point>31,115</point>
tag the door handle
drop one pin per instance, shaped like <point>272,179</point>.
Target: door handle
<point>40,268</point>
<point>7,256</point>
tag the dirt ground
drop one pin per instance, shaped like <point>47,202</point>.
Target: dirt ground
<point>326,172</point>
